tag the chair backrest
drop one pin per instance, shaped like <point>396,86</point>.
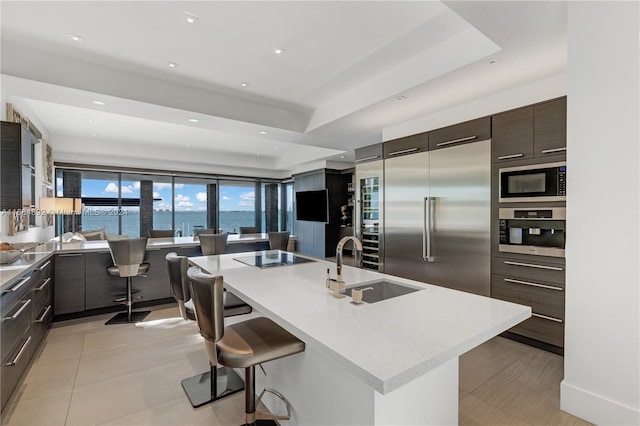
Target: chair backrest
<point>213,243</point>
<point>248,230</point>
<point>197,232</point>
<point>207,292</point>
<point>161,233</point>
<point>278,240</point>
<point>128,254</point>
<point>179,280</point>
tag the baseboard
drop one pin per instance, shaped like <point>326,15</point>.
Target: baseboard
<point>533,342</point>
<point>112,309</point>
<point>595,408</point>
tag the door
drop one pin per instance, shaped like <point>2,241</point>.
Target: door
<point>405,197</point>
<point>459,228</point>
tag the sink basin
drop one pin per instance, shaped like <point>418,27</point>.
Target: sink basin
<point>382,290</point>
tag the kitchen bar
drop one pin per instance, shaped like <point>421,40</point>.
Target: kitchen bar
<point>394,361</point>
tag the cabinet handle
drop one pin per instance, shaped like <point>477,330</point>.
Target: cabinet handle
<point>19,354</point>
<point>17,314</point>
<point>531,265</point>
<point>506,157</point>
<point>70,255</point>
<point>550,151</point>
<point>373,157</point>
<point>43,284</point>
<point>509,280</point>
<point>44,315</point>
<point>546,317</point>
<point>404,151</point>
<point>468,138</point>
<point>40,268</point>
<point>17,286</point>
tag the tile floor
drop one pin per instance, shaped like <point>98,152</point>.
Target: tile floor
<point>86,373</point>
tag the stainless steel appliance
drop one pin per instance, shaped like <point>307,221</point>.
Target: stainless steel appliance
<point>535,230</point>
<point>437,217</point>
<point>369,214</point>
<point>538,182</point>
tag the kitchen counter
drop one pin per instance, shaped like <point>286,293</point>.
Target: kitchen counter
<point>40,253</point>
<point>395,347</point>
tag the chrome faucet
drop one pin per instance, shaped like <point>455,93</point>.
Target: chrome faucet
<point>358,257</point>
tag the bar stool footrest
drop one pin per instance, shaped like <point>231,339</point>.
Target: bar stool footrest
<point>263,416</point>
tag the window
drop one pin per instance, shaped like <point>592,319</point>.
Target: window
<point>190,205</point>
<point>100,197</point>
<point>162,203</point>
<point>236,204</point>
<point>130,193</point>
<point>289,208</point>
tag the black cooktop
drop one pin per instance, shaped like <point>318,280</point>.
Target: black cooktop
<point>271,259</point>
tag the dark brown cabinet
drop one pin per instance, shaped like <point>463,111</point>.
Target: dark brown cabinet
<point>534,131</point>
<point>407,145</point>
<point>102,289</point>
<point>26,314</point>
<point>17,171</point>
<point>369,153</point>
<point>69,291</point>
<point>536,283</point>
<point>459,134</point>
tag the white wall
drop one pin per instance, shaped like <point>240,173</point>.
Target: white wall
<point>602,356</point>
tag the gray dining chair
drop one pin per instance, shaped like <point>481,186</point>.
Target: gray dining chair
<point>248,230</point>
<point>128,260</point>
<point>211,244</point>
<point>218,382</point>
<point>278,240</point>
<point>161,233</point>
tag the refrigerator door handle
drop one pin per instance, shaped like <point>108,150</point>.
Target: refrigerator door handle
<point>426,230</point>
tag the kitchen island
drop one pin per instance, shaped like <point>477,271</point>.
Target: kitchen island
<point>390,362</point>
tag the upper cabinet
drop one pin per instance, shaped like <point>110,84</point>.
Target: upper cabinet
<point>17,167</point>
<point>407,145</point>
<point>459,134</point>
<point>369,153</point>
<point>533,131</point>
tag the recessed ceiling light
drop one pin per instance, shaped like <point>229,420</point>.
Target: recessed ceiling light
<point>191,19</point>
<point>244,84</point>
<point>193,120</point>
<point>94,134</point>
<point>258,154</point>
<point>277,147</point>
<point>90,120</point>
<point>76,38</point>
<point>342,156</point>
<point>492,61</point>
<point>188,146</point>
<point>278,50</point>
<point>262,132</point>
<point>401,98</point>
<point>172,65</point>
<point>101,103</point>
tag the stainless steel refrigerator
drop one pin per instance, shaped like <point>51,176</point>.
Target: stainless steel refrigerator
<point>437,211</point>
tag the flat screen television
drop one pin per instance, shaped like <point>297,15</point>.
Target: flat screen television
<point>312,206</point>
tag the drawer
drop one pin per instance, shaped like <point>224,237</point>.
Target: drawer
<point>41,322</point>
<point>15,321</point>
<point>42,295</point>
<point>544,299</point>
<point>534,270</point>
<point>541,329</point>
<point>14,365</point>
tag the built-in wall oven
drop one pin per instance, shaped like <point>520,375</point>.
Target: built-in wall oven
<point>533,230</point>
<point>537,183</point>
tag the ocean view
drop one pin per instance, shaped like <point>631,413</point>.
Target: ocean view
<point>229,221</point>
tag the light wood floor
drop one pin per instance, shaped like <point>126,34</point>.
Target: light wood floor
<point>86,373</point>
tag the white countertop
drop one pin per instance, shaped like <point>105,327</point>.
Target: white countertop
<point>386,344</point>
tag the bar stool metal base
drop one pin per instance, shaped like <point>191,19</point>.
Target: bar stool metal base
<point>126,318</point>
<point>200,391</point>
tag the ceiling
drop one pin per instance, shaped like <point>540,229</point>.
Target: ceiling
<point>348,69</point>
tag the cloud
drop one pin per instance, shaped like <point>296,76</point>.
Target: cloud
<point>136,185</point>
<point>111,187</point>
<point>225,198</point>
<point>248,195</point>
<point>184,204</point>
<point>245,203</point>
<point>201,196</point>
<point>181,197</point>
<point>156,194</point>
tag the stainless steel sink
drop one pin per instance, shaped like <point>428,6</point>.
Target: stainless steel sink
<point>381,290</point>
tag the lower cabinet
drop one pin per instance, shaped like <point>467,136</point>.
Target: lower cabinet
<point>535,283</point>
<point>69,291</point>
<point>102,289</point>
<point>26,315</point>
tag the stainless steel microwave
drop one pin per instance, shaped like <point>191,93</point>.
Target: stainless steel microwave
<point>537,182</point>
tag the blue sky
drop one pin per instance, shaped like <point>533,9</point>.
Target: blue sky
<point>189,197</point>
